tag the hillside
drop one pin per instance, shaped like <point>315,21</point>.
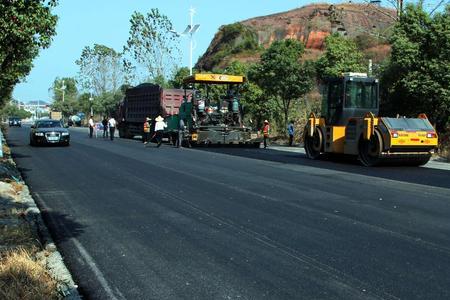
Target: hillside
<point>245,40</point>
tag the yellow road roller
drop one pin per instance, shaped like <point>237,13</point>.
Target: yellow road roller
<point>349,124</point>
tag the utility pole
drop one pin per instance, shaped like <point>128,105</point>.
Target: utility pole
<point>63,88</point>
<point>190,30</point>
<point>399,8</point>
<point>90,101</point>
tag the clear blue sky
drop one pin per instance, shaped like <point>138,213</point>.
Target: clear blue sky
<point>85,22</point>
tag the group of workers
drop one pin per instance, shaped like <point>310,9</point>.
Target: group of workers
<point>266,131</point>
<point>160,125</point>
<point>108,126</point>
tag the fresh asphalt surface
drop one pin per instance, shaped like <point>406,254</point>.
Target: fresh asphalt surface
<point>230,223</point>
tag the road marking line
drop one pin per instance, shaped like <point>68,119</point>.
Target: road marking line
<point>87,258</point>
<point>100,277</point>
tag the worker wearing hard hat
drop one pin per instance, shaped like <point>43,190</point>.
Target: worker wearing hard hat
<point>266,131</point>
<point>159,129</point>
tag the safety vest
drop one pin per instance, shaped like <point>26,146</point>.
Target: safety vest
<point>146,127</point>
<point>266,130</point>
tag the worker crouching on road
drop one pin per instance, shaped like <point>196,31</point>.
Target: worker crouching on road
<point>159,129</point>
<point>266,131</point>
<point>147,125</point>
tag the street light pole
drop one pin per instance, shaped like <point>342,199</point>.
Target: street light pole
<point>190,29</point>
<point>90,101</point>
<point>63,88</point>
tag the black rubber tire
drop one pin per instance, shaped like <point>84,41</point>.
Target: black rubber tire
<point>314,146</point>
<point>370,151</point>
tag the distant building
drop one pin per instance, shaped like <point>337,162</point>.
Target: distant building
<point>37,108</point>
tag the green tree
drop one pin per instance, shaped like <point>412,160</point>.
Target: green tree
<point>106,103</point>
<point>101,69</point>
<point>25,28</point>
<point>151,45</point>
<point>416,79</point>
<point>341,55</point>
<point>84,103</point>
<point>67,86</point>
<point>282,75</point>
<point>256,105</point>
<point>11,110</point>
<point>177,80</point>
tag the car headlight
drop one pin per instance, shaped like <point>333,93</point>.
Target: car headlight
<point>65,134</point>
<point>39,134</point>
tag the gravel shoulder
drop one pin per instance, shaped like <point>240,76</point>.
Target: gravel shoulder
<point>23,234</point>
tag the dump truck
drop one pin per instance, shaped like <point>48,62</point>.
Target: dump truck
<point>214,116</point>
<point>349,124</point>
<point>146,100</point>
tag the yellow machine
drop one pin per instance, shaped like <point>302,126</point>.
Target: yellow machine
<point>349,125</point>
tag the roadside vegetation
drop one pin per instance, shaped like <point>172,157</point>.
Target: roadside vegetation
<point>22,277</point>
<point>26,27</point>
<point>23,273</point>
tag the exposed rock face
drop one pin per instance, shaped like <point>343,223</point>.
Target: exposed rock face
<point>309,24</point>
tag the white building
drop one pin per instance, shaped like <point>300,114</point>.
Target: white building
<point>37,108</point>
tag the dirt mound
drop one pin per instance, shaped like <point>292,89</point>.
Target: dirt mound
<point>310,24</point>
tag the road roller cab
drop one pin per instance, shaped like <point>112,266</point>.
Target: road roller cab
<point>350,125</point>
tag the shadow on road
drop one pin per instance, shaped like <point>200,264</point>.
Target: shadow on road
<point>62,226</point>
<point>410,174</point>
<point>18,155</point>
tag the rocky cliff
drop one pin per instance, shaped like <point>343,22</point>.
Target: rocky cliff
<point>368,25</point>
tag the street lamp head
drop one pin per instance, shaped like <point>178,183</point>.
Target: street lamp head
<point>194,29</point>
<point>187,30</point>
<point>174,32</point>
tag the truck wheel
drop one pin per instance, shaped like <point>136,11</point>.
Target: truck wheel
<point>174,137</point>
<point>314,144</point>
<point>370,151</point>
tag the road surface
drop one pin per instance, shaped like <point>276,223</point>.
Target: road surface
<point>230,223</point>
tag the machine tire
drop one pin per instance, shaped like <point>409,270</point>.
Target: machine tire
<point>370,151</point>
<point>314,145</point>
<point>416,162</point>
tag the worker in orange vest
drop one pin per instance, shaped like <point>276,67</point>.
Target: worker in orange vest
<point>147,130</point>
<point>266,131</point>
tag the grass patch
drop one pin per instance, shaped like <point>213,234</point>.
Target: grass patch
<point>12,236</point>
<point>21,277</point>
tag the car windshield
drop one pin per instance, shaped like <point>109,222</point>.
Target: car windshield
<point>48,124</point>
